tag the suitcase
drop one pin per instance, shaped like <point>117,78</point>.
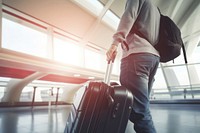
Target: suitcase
<point>103,108</point>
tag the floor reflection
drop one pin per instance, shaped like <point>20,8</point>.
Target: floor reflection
<point>33,120</point>
<point>168,118</point>
<point>174,118</point>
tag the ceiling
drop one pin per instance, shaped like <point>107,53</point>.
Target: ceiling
<point>79,22</point>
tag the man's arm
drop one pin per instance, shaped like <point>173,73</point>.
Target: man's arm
<point>126,22</point>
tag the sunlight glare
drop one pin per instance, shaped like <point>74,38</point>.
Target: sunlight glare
<point>67,52</point>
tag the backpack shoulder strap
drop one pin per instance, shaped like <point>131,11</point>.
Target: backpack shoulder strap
<point>184,53</point>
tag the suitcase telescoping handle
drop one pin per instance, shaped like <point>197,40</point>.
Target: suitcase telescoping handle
<point>107,78</point>
<point>109,69</point>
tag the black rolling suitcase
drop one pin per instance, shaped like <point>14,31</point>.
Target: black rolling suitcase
<point>103,108</point>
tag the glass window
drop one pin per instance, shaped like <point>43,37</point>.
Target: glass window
<point>21,38</point>
<point>197,96</point>
<point>2,90</point>
<point>66,51</point>
<point>27,94</point>
<point>94,6</point>
<point>181,73</point>
<point>47,91</point>
<point>111,19</point>
<point>194,74</point>
<point>196,54</point>
<point>93,60</point>
<point>3,83</point>
<point>159,80</point>
<point>44,94</point>
<point>197,67</point>
<point>161,96</point>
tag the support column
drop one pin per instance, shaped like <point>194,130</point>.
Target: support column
<point>57,95</point>
<point>15,87</point>
<point>33,99</point>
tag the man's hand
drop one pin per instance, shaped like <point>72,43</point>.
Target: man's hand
<point>112,51</point>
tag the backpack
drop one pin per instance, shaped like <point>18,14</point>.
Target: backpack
<point>170,41</point>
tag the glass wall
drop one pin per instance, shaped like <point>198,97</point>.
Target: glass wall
<point>172,80</point>
<point>3,84</point>
<point>2,90</point>
<point>178,80</point>
<point>67,51</point>
<point>23,38</point>
<point>27,94</point>
<point>42,91</point>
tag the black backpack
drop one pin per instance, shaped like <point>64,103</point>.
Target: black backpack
<point>170,41</point>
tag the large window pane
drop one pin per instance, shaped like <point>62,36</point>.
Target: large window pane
<point>44,94</point>
<point>160,96</point>
<point>197,66</point>
<point>196,55</point>
<point>181,73</point>
<point>93,60</point>
<point>23,39</point>
<point>27,94</point>
<point>111,19</point>
<point>2,90</point>
<point>94,6</point>
<point>67,51</point>
<point>160,82</point>
<point>97,61</point>
<point>3,84</point>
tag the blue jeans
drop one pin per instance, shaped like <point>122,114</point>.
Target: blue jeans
<point>137,74</point>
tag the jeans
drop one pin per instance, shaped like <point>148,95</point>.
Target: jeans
<point>137,75</point>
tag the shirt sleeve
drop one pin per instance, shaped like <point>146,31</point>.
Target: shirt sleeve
<point>126,22</point>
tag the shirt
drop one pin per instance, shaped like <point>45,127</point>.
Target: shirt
<point>148,21</point>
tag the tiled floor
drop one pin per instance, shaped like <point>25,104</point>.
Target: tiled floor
<point>168,118</point>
